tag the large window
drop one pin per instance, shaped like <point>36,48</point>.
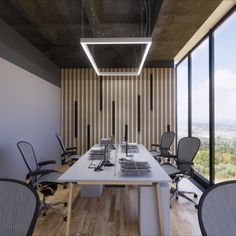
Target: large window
<point>225,100</point>
<point>200,105</point>
<point>182,99</point>
<point>217,163</point>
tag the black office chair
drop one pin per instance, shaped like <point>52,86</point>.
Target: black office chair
<point>217,210</point>
<point>187,150</point>
<point>19,207</point>
<point>43,180</point>
<point>69,155</point>
<point>167,139</point>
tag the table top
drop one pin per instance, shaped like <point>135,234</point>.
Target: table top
<point>81,173</point>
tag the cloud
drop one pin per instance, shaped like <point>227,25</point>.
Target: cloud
<point>225,96</point>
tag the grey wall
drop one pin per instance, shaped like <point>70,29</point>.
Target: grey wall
<point>29,110</point>
<point>14,48</point>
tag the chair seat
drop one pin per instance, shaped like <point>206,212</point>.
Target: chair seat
<point>48,178</point>
<point>170,169</point>
<point>74,157</point>
<point>155,153</point>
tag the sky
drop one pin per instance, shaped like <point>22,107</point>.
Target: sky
<point>225,78</point>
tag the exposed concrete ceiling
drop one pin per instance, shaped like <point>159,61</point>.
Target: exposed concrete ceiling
<point>56,26</point>
<point>176,24</point>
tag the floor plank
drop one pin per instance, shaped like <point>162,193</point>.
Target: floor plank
<point>115,213</point>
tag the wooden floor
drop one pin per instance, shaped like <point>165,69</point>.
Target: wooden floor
<point>115,213</point>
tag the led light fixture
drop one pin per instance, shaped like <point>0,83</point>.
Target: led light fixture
<point>108,41</point>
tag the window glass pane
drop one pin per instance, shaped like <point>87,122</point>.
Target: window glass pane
<point>225,100</point>
<point>182,99</point>
<point>200,105</point>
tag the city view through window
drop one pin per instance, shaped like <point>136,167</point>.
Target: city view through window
<point>225,101</point>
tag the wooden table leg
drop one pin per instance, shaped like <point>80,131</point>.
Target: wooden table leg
<point>69,209</point>
<point>160,211</point>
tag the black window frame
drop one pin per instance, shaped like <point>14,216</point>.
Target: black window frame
<point>201,180</point>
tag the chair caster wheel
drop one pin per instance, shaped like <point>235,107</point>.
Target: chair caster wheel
<point>65,204</point>
<point>195,195</point>
<point>44,214</point>
<point>196,206</point>
<point>177,198</point>
<point>65,218</point>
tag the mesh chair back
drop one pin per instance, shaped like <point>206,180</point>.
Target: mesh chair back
<point>167,139</point>
<point>187,150</point>
<point>28,154</point>
<point>19,206</point>
<point>59,138</point>
<point>217,210</point>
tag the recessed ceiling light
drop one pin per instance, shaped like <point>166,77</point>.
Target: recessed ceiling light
<point>107,41</point>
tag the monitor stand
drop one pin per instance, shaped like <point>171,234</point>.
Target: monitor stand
<point>126,150</point>
<point>107,162</point>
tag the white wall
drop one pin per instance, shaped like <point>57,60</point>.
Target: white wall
<point>29,110</point>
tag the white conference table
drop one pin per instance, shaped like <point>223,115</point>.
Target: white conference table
<point>153,188</point>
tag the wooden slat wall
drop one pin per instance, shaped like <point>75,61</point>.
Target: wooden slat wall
<point>83,86</point>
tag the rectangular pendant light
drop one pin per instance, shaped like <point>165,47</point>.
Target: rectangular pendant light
<point>108,41</point>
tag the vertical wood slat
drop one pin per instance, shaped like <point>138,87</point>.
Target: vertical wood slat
<point>62,103</point>
<point>79,89</point>
<point>75,109</point>
<point>100,93</point>
<point>70,108</point>
<point>83,109</point>
<point>119,97</point>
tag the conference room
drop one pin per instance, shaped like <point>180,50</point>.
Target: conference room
<point>117,117</point>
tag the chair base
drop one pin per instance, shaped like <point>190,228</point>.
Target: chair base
<point>45,206</point>
<point>175,193</point>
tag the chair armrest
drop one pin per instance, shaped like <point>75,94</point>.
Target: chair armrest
<point>68,153</point>
<point>39,172</point>
<point>170,156</point>
<point>165,148</point>
<point>185,162</point>
<point>71,148</point>
<point>43,163</point>
<point>74,158</point>
<point>155,145</point>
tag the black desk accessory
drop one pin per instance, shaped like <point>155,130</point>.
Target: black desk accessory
<point>99,167</point>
